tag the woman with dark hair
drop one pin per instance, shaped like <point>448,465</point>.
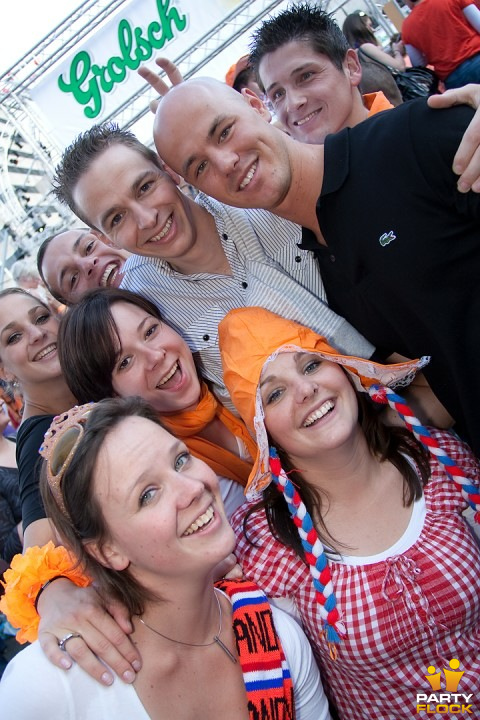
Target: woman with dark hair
<point>379,563</point>
<point>146,522</point>
<point>361,37</point>
<point>115,343</point>
<point>29,357</point>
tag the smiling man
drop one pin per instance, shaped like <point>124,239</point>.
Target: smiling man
<point>194,260</point>
<point>397,243</point>
<point>310,74</point>
<point>75,261</point>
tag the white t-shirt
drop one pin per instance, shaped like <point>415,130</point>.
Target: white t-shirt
<point>232,495</point>
<point>32,687</point>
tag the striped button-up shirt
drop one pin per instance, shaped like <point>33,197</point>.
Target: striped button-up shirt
<point>268,270</point>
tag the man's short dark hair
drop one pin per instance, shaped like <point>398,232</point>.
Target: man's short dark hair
<point>303,22</point>
<point>86,147</point>
<point>244,78</point>
<point>41,254</point>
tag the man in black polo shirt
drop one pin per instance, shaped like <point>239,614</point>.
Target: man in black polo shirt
<point>397,244</point>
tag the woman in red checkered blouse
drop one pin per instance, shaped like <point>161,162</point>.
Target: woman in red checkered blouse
<point>396,566</point>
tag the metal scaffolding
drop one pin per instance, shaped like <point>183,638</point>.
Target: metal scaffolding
<point>28,150</point>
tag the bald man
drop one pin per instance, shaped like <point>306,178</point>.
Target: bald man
<point>397,244</point>
<point>194,260</point>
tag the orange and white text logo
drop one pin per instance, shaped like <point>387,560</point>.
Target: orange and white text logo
<point>444,697</point>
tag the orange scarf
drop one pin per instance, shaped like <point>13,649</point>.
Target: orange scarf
<point>189,423</point>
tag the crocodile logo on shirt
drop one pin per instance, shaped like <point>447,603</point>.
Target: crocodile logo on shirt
<point>387,238</point>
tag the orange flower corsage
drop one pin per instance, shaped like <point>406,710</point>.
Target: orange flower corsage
<point>24,580</point>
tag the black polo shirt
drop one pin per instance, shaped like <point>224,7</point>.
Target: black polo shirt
<point>402,262</point>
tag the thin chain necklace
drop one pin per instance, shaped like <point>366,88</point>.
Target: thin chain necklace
<point>216,638</point>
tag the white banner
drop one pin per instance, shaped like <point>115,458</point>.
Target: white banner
<point>100,74</point>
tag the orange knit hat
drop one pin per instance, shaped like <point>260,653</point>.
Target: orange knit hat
<point>235,70</point>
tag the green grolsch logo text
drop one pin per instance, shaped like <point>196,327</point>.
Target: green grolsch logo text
<point>87,81</point>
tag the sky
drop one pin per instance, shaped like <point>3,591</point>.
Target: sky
<point>26,22</point>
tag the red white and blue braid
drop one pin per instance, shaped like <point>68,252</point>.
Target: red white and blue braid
<point>314,553</point>
<point>471,493</point>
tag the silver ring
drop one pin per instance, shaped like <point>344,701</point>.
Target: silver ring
<point>64,640</point>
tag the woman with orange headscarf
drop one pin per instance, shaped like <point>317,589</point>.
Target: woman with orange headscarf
<point>379,562</point>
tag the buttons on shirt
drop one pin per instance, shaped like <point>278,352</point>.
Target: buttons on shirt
<point>206,337</point>
<point>298,258</point>
<point>225,236</point>
<point>332,258</point>
<point>244,285</point>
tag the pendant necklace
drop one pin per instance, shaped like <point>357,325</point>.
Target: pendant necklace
<point>216,638</point>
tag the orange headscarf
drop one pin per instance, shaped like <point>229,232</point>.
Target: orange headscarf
<point>249,336</point>
<point>188,424</point>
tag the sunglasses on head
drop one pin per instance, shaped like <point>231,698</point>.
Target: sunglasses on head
<point>60,445</point>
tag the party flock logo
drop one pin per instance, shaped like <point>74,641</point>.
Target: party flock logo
<point>447,700</point>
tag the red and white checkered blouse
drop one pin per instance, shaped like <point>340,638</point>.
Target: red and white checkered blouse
<point>402,614</point>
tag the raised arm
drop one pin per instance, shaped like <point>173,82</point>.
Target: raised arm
<point>472,15</point>
<point>417,58</point>
<point>466,163</point>
<point>395,61</point>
